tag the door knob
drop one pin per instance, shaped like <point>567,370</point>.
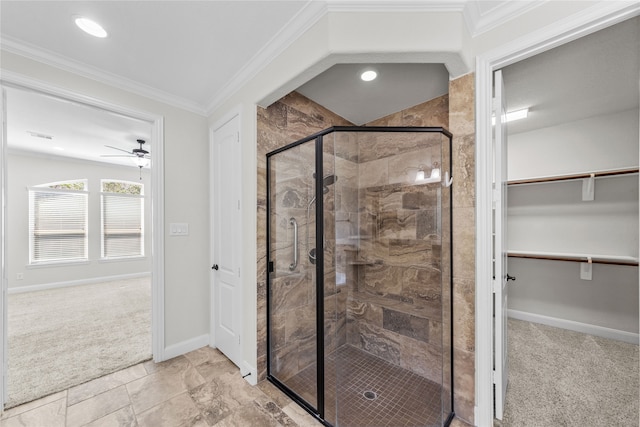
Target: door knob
<point>508,277</point>
<point>215,266</point>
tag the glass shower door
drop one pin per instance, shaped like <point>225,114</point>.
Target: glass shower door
<point>291,300</point>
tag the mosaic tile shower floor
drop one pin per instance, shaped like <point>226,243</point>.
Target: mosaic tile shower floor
<point>403,398</point>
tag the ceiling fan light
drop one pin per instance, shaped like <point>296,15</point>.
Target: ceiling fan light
<point>141,162</point>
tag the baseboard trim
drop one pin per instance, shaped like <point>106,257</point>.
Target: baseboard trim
<point>56,285</point>
<point>175,350</point>
<point>571,325</point>
<point>249,372</point>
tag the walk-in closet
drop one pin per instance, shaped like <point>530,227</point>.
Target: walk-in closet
<point>572,224</point>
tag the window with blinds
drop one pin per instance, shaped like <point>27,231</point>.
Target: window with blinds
<point>58,222</point>
<point>122,209</point>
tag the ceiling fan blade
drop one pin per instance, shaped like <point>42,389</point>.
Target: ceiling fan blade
<point>119,149</point>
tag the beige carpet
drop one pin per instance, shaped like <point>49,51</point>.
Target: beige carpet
<point>565,378</point>
<point>63,337</point>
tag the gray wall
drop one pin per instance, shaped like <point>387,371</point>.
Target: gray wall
<point>552,217</point>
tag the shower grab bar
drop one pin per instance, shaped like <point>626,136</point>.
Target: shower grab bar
<point>294,264</point>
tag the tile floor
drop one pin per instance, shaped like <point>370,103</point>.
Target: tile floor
<point>202,388</point>
<point>402,398</point>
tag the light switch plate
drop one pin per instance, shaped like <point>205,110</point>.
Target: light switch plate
<point>178,229</point>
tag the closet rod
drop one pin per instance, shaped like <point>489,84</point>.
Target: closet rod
<point>569,258</point>
<point>614,172</point>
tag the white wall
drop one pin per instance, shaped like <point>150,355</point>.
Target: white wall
<point>552,217</point>
<point>186,193</point>
<point>23,171</point>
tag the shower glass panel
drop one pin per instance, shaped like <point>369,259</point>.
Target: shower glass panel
<point>292,308</point>
<point>379,284</point>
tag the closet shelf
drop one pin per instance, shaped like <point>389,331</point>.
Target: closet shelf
<point>596,174</point>
<point>573,257</point>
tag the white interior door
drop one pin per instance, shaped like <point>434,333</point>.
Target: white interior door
<point>226,307</point>
<point>501,368</point>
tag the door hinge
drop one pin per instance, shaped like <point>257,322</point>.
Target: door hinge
<point>494,286</point>
<point>493,377</point>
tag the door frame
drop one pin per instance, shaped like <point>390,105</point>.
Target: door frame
<point>244,367</point>
<point>601,15</point>
<point>157,209</point>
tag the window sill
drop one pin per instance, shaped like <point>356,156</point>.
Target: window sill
<point>50,264</point>
<point>123,259</point>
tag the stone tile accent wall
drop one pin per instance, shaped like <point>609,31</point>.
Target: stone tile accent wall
<point>456,112</point>
<point>395,287</point>
<point>295,117</point>
<point>291,118</point>
<point>462,126</point>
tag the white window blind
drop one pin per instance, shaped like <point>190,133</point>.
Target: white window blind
<point>57,225</point>
<point>122,220</point>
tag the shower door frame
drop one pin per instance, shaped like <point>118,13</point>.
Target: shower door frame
<point>319,412</point>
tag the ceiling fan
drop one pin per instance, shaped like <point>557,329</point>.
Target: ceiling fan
<point>139,155</point>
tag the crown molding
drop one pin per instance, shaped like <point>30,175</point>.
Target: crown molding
<point>478,23</point>
<point>311,13</point>
<point>307,17</point>
<point>396,5</point>
<point>47,57</point>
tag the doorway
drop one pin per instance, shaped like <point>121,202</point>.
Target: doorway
<point>79,226</point>
<point>573,160</point>
<point>573,310</point>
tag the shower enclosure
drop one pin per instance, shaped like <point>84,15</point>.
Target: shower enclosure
<point>359,281</point>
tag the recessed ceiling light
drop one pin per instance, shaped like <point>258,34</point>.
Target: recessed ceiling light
<point>90,27</point>
<point>514,115</point>
<point>368,75</point>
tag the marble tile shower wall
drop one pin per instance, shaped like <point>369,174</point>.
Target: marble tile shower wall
<point>291,118</point>
<point>392,260</point>
<point>294,117</point>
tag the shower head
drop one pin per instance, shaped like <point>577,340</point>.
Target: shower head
<point>327,181</point>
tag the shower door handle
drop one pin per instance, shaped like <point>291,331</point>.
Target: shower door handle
<point>294,264</point>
